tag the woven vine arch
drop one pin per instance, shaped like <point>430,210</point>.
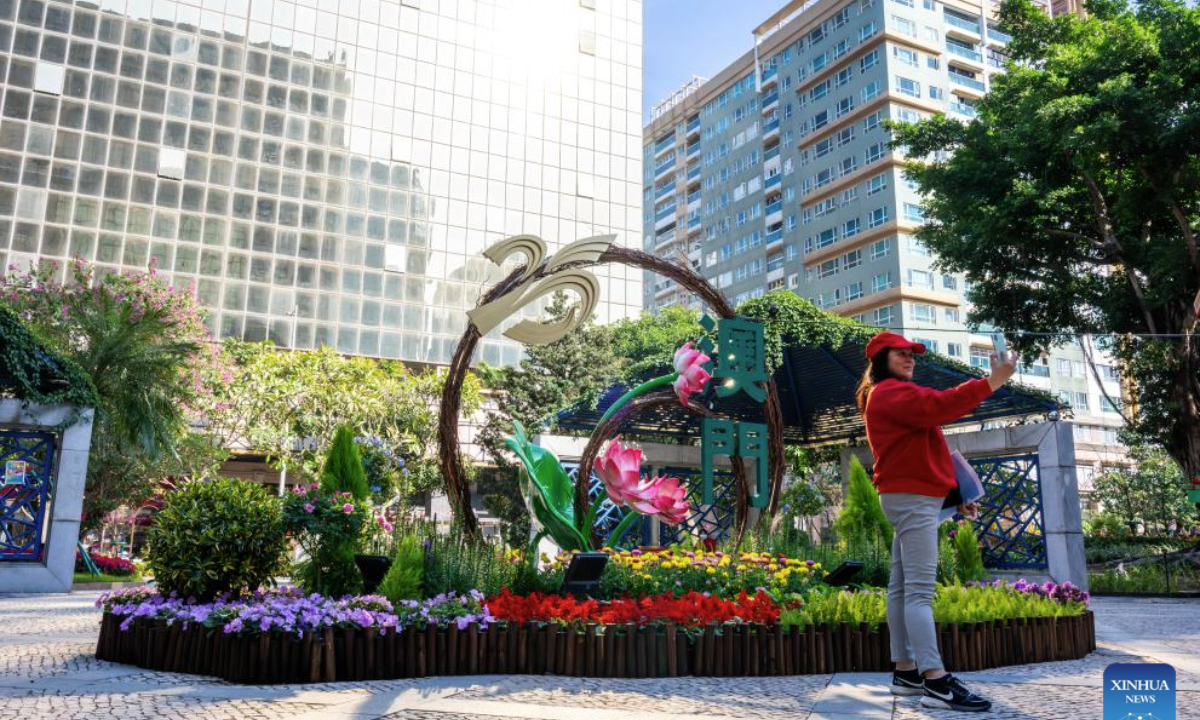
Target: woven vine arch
<point>449,453</point>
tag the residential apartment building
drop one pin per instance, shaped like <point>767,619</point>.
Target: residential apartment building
<point>321,173</point>
<point>777,173</point>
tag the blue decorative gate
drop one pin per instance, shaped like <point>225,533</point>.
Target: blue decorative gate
<point>27,456</point>
<point>1010,527</point>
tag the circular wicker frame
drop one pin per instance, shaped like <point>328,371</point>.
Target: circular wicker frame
<point>450,455</point>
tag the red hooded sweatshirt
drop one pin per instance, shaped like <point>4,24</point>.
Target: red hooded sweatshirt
<point>904,431</point>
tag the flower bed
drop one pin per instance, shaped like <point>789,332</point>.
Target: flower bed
<point>284,636</point>
<point>108,565</point>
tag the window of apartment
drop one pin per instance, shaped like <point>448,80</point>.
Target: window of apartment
<point>933,64</point>
<point>820,61</point>
<point>843,76</point>
<point>905,26</point>
<point>872,121</point>
<point>1110,405</point>
<point>954,350</point>
<point>841,48</point>
<point>819,120</point>
<point>905,55</point>
<point>931,345</point>
<point>844,106</point>
<point>826,237</point>
<point>851,228</point>
<point>869,60</point>
<point>905,3</point>
<point>907,115</point>
<point>867,31</point>
<point>829,268</point>
<point>981,357</point>
<point>922,313</point>
<point>881,282</point>
<point>824,147</point>
<point>921,279</point>
<point>935,93</point>
<point>848,165</point>
<point>876,151</point>
<point>952,315</point>
<point>906,86</point>
<point>852,259</point>
<point>949,282</point>
<point>829,299</point>
<point>916,247</point>
<point>820,90</point>
<point>854,291</point>
<point>872,90</point>
<point>878,183</point>
<point>1109,373</point>
<point>845,136</point>
<point>881,248</point>
<point>885,316</point>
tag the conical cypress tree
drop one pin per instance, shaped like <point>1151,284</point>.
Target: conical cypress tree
<point>862,514</point>
<point>343,470</point>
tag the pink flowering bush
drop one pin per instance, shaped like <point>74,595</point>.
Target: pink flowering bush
<point>314,516</point>
<point>152,360</point>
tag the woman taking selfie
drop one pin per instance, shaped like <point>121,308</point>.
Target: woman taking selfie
<point>914,474</point>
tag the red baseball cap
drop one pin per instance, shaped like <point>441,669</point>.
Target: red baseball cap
<point>889,341</point>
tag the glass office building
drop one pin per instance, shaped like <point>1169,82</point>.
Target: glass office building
<point>321,172</point>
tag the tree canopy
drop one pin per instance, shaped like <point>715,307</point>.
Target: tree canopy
<point>1071,200</point>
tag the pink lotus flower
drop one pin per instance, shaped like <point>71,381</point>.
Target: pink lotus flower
<point>620,468</point>
<point>667,499</point>
<point>692,376</point>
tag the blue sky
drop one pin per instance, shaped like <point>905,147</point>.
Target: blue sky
<point>695,37</point>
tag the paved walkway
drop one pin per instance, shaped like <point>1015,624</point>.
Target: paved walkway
<point>47,672</point>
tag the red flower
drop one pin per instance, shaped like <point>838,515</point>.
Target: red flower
<point>691,610</point>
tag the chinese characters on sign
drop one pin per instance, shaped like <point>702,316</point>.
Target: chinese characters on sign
<point>738,366</point>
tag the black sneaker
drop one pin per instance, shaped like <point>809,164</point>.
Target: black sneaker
<point>948,693</point>
<point>907,682</point>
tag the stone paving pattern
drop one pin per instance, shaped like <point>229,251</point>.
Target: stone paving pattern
<point>48,672</point>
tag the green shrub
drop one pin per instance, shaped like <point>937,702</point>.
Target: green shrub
<point>968,560</point>
<point>453,564</point>
<point>216,536</point>
<point>403,579</point>
<point>951,604</point>
<point>862,515</point>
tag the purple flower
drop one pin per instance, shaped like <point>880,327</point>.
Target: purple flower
<point>347,508</point>
<point>309,507</point>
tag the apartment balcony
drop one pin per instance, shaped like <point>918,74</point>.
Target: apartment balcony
<point>663,289</point>
<point>996,36</point>
<point>664,168</point>
<point>773,181</point>
<point>661,241</point>
<point>771,127</point>
<point>693,148</point>
<point>959,26</point>
<point>776,274</point>
<point>770,76</point>
<point>663,191</point>
<point>693,224</point>
<point>969,83</point>
<point>693,127</point>
<point>693,176</point>
<point>963,109</point>
<point>664,144</point>
<point>771,154</point>
<point>667,210</point>
<point>774,237</point>
<point>965,53</point>
<point>770,101</point>
<point>775,212</point>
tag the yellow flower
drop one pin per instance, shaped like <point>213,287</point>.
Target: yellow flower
<point>711,571</point>
<point>741,568</point>
<point>804,569</point>
<point>645,576</point>
<point>772,567</point>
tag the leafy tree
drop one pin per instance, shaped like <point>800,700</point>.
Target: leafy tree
<point>144,345</point>
<point>862,518</point>
<point>289,404</point>
<point>1072,200</point>
<point>649,341</point>
<point>1152,491</point>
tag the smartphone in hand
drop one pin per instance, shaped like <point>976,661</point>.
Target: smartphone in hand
<point>999,345</point>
